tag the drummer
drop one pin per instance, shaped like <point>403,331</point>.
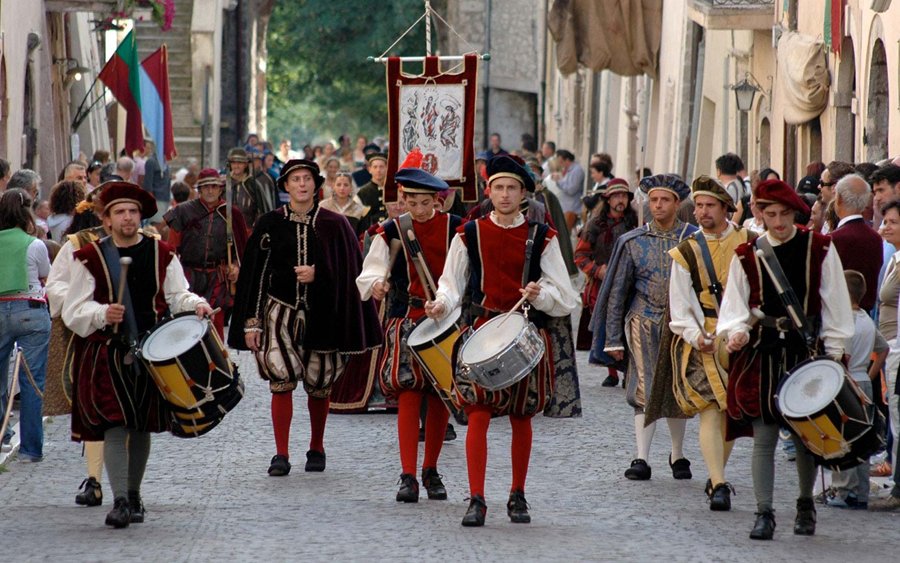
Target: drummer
<point>494,286</point>
<point>763,351</point>
<point>109,402</point>
<point>401,377</point>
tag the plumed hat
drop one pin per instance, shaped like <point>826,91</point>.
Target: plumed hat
<point>414,180</point>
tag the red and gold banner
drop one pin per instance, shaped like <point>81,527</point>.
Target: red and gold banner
<point>434,112</point>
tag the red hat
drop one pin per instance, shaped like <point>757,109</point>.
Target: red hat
<point>776,191</point>
<point>207,177</point>
<point>117,191</point>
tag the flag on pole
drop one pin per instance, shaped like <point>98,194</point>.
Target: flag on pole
<point>156,107</point>
<point>121,75</point>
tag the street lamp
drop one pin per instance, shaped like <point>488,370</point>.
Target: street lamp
<point>744,92</point>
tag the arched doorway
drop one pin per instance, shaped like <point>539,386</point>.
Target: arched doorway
<point>845,120</point>
<point>877,111</point>
<point>765,143</point>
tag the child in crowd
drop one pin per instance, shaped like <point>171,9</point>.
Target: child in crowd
<point>851,487</point>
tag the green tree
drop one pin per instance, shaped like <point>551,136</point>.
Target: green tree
<point>319,80</point>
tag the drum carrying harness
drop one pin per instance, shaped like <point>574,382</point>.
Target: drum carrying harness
<point>789,300</point>
<point>111,257</point>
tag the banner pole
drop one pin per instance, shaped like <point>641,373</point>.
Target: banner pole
<point>428,28</point>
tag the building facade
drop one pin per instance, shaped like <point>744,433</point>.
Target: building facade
<point>686,115</point>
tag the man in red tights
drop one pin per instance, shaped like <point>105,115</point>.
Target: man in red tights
<point>391,268</point>
<point>495,261</point>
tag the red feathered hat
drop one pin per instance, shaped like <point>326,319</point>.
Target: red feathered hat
<point>776,191</point>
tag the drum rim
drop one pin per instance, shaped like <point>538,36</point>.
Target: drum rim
<point>788,413</point>
<point>438,337</point>
<point>163,325</point>
<point>462,350</point>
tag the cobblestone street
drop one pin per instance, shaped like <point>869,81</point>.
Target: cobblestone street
<point>210,498</point>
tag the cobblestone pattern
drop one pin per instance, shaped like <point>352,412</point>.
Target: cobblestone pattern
<point>210,498</point>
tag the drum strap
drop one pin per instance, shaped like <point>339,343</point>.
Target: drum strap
<point>715,288</point>
<point>785,292</point>
<point>414,252</point>
<point>111,257</point>
<point>529,253</point>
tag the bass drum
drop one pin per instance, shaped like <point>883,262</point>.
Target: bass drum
<point>191,368</point>
<point>824,407</point>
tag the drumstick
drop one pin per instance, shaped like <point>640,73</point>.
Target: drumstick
<point>517,305</point>
<point>124,262</point>
<point>430,280</point>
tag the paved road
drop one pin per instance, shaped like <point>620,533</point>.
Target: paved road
<point>210,498</point>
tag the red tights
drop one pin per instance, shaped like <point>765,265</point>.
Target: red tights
<point>283,413</point>
<point>409,403</point>
<point>476,448</point>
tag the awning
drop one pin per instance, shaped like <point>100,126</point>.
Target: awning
<point>622,36</point>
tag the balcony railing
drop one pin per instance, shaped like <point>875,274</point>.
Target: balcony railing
<point>733,14</point>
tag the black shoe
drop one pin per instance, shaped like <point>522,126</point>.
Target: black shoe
<point>450,434</point>
<point>92,493</point>
<point>409,489</point>
<point>610,381</point>
<point>432,482</point>
<point>136,507</point>
<point>805,523</point>
<point>120,515</point>
<point>719,496</point>
<point>279,466</point>
<point>315,460</point>
<point>639,471</point>
<point>681,468</point>
<point>764,528</point>
<point>517,508</point>
<point>476,512</point>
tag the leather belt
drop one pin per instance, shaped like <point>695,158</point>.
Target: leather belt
<point>781,324</point>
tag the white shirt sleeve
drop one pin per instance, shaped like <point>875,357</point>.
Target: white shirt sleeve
<point>837,314</point>
<point>734,313</point>
<point>557,297</point>
<point>80,312</point>
<point>58,278</point>
<point>684,307</point>
<point>374,268</point>
<point>453,279</point>
<point>176,289</point>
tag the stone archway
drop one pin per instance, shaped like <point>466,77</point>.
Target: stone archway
<point>877,106</point>
<point>845,92</point>
<point>765,143</point>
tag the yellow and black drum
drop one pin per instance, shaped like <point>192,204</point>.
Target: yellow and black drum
<point>190,366</point>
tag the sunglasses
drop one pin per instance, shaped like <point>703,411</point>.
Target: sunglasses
<point>827,184</point>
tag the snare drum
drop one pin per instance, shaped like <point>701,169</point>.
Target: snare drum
<point>190,366</point>
<point>502,352</point>
<point>431,343</point>
<point>828,411</point>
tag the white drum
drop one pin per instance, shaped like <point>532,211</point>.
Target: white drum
<point>502,352</point>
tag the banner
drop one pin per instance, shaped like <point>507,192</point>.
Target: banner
<point>435,112</point>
